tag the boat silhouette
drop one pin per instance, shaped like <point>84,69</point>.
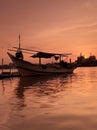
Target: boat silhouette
<point>27,68</point>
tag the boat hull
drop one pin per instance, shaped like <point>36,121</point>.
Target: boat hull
<point>26,68</point>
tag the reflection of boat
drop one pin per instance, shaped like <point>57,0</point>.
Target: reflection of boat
<point>27,82</point>
<point>42,85</point>
<point>26,68</point>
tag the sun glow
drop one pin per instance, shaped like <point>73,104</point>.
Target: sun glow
<point>85,56</point>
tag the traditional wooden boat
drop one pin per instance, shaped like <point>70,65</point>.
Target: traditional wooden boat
<point>27,68</point>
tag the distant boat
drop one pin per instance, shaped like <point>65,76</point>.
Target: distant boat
<point>90,61</point>
<point>26,68</point>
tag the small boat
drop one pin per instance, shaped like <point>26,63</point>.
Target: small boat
<point>8,73</point>
<point>26,68</point>
<point>5,75</point>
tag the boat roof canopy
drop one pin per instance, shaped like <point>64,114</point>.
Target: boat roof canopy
<point>42,55</point>
<point>48,55</point>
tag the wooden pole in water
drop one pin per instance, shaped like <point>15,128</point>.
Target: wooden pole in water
<point>19,42</point>
<point>39,61</point>
<point>2,65</point>
<point>10,68</point>
<point>60,58</point>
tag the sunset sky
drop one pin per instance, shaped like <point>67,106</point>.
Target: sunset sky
<point>49,25</point>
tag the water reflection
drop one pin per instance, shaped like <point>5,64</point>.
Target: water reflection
<point>51,102</point>
<point>41,86</point>
<point>3,88</point>
<point>41,91</point>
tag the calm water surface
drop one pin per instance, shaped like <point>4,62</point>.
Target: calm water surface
<point>65,102</point>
